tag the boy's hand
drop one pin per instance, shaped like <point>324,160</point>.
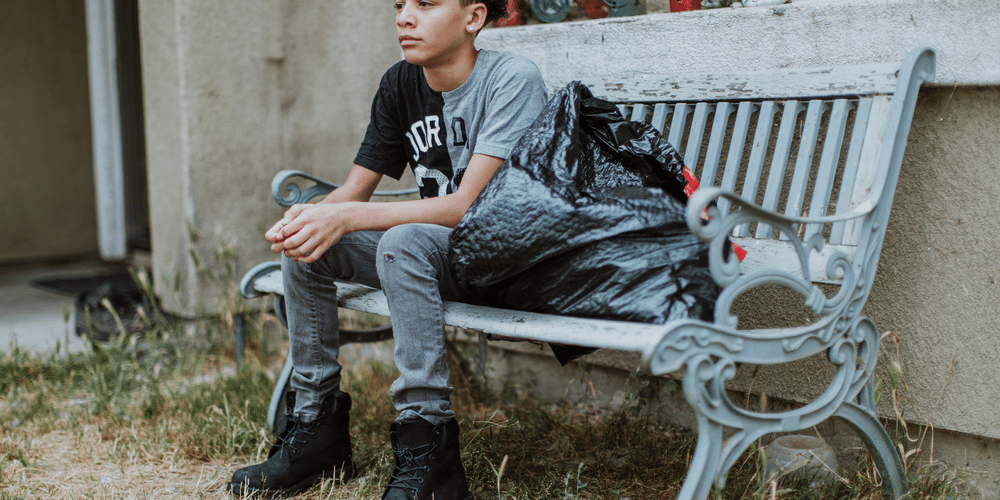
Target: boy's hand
<point>308,231</point>
<point>274,234</point>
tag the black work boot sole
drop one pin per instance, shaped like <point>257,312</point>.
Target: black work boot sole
<point>245,490</point>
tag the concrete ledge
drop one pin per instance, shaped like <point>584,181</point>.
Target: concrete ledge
<point>803,33</point>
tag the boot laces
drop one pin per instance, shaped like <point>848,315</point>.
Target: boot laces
<point>291,434</point>
<point>410,464</point>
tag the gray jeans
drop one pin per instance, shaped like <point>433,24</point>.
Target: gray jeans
<point>410,264</point>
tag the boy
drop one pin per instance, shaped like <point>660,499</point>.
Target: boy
<point>453,113</point>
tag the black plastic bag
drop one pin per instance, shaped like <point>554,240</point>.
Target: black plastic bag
<point>586,219</point>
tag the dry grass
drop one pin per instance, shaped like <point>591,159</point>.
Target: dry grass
<point>166,415</point>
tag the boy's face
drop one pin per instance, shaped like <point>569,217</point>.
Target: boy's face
<point>431,32</point>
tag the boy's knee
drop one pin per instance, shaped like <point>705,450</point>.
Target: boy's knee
<point>406,245</point>
<point>403,238</point>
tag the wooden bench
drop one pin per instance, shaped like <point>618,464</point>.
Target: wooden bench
<point>798,167</point>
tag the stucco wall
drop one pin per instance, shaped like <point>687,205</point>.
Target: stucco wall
<point>235,92</point>
<point>46,173</point>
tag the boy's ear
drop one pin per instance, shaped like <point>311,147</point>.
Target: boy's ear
<point>477,17</point>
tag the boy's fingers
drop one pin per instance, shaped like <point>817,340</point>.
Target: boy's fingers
<point>274,234</point>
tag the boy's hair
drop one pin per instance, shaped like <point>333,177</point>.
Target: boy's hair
<point>495,9</point>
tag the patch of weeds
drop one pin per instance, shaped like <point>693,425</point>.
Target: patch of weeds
<point>221,419</point>
<point>13,448</point>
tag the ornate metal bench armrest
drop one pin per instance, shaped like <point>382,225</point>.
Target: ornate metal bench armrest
<point>248,284</point>
<point>284,181</point>
<point>702,199</point>
<point>716,230</point>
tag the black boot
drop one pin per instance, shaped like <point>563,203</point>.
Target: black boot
<point>303,454</point>
<point>428,463</point>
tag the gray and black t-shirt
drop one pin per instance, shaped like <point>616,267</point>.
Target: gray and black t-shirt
<point>437,133</point>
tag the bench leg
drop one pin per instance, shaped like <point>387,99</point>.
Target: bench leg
<point>705,463</point>
<point>879,445</point>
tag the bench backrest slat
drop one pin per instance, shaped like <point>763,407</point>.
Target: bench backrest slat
<point>758,154</point>
<point>779,162</point>
<point>804,159</point>
<point>829,161</point>
<point>734,158</point>
<point>845,200</point>
<point>867,175</point>
<point>691,151</point>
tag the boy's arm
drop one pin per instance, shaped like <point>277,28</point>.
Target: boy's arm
<point>359,186</point>
<point>313,229</point>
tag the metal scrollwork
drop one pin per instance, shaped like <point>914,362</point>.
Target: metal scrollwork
<point>284,182</point>
<point>725,268</point>
<point>853,354</point>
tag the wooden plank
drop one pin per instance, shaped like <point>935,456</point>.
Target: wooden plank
<point>618,335</point>
<point>734,158</point>
<point>270,283</point>
<point>869,161</point>
<point>761,85</point>
<point>758,152</point>
<point>677,124</point>
<point>692,148</point>
<point>639,112</point>
<point>716,140</point>
<point>659,119</point>
<point>829,160</point>
<point>804,160</point>
<point>864,108</point>
<point>779,163</point>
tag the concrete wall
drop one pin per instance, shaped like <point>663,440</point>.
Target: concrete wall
<point>235,92</point>
<point>46,174</point>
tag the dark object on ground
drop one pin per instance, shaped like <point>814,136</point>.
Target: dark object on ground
<point>586,219</point>
<point>74,286</point>
<point>94,318</point>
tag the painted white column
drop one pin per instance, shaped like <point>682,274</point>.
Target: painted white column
<point>106,129</point>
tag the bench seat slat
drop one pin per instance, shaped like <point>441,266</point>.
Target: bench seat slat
<point>619,335</point>
<point>780,255</point>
